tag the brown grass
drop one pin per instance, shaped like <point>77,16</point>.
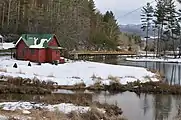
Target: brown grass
<point>77,99</point>
<point>93,114</point>
<point>114,79</point>
<point>159,75</point>
<point>96,78</point>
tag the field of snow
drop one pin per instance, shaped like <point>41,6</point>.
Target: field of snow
<point>149,59</point>
<point>6,45</point>
<point>75,72</point>
<point>63,107</point>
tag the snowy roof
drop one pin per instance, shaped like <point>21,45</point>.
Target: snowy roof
<point>36,40</point>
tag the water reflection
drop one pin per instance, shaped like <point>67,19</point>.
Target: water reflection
<point>162,107</point>
<point>145,107</point>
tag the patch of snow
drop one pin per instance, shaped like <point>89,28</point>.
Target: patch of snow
<point>12,106</point>
<point>35,40</point>
<point>26,112</point>
<point>20,117</point>
<point>149,59</point>
<point>6,45</point>
<point>64,91</point>
<point>63,107</point>
<point>75,72</point>
<point>40,45</point>
<point>67,108</point>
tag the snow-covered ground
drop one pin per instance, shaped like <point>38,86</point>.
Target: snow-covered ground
<point>6,45</point>
<point>75,72</point>
<point>24,106</point>
<point>150,59</point>
<point>25,110</point>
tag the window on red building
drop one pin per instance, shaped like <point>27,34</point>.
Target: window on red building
<point>32,51</point>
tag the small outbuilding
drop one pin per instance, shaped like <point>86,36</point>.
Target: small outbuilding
<point>41,48</point>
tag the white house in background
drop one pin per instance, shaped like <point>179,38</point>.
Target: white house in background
<point>4,45</point>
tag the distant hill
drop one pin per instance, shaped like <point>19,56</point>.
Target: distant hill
<point>134,29</point>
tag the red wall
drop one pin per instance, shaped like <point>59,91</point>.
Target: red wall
<point>53,42</point>
<point>19,51</point>
<point>42,55</point>
<point>53,55</point>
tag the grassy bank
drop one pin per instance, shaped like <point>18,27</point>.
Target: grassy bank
<point>35,86</point>
<point>24,86</point>
<point>137,87</point>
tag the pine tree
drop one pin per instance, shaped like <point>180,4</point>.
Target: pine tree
<point>171,22</point>
<point>154,30</point>
<point>160,14</point>
<point>111,29</point>
<point>146,17</point>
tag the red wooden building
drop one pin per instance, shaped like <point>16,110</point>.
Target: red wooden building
<point>43,48</point>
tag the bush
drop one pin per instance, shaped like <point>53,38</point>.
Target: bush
<point>15,65</point>
<point>29,64</point>
<point>56,62</point>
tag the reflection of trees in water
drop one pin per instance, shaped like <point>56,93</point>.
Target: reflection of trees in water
<point>146,105</point>
<point>110,59</point>
<point>179,73</point>
<point>162,106</point>
<point>178,107</point>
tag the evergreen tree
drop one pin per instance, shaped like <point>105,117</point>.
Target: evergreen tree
<point>171,22</point>
<point>111,29</point>
<point>160,15</point>
<point>147,16</point>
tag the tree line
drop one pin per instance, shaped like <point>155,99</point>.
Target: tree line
<point>165,21</point>
<point>76,23</point>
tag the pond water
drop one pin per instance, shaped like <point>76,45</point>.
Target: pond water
<point>171,71</point>
<point>144,106</point>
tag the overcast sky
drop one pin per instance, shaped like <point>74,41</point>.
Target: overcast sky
<point>122,7</point>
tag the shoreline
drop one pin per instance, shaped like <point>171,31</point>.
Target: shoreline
<point>151,59</point>
<point>149,87</point>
